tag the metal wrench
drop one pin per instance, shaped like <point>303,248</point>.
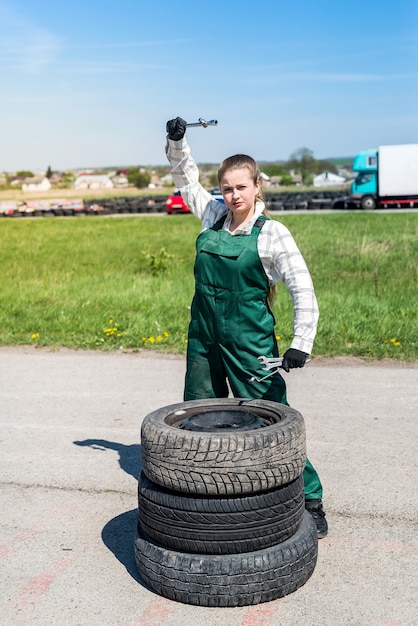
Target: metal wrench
<point>273,364</point>
<point>203,123</point>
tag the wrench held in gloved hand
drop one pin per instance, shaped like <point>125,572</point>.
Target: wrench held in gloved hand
<point>177,127</point>
<point>272,364</point>
<point>293,358</point>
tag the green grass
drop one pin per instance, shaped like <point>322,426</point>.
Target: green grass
<point>128,282</point>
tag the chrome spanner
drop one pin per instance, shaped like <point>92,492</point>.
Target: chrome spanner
<point>203,123</point>
<point>273,364</point>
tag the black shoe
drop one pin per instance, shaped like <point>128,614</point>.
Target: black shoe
<point>314,507</point>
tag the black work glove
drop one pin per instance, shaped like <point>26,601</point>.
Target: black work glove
<point>176,128</point>
<point>293,358</point>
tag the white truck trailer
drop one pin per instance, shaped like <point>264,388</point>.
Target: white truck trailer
<point>386,177</point>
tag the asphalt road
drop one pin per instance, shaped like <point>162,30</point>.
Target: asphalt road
<point>70,457</point>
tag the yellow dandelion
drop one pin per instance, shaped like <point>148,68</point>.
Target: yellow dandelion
<point>151,339</point>
<point>35,335</point>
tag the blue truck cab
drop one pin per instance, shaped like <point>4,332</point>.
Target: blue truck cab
<point>364,187</point>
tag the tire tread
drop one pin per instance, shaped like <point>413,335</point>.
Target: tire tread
<point>229,580</point>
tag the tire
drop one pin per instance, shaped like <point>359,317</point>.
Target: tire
<point>229,580</point>
<point>368,203</point>
<point>211,525</point>
<point>266,452</point>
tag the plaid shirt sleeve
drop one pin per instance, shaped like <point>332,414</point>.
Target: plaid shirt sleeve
<point>283,261</point>
<point>185,175</point>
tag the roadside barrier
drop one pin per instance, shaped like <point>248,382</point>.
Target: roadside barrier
<point>286,201</point>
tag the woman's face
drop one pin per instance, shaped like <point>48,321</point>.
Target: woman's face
<point>239,191</point>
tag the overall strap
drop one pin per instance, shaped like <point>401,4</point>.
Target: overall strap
<point>259,223</point>
<point>219,224</point>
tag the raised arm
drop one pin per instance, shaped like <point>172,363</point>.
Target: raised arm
<point>185,175</point>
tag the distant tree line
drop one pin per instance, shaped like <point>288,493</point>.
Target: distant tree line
<point>302,162</point>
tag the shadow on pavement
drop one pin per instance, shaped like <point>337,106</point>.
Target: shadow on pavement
<point>129,456</point>
<point>118,536</point>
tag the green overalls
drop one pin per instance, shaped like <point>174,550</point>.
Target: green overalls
<point>232,325</point>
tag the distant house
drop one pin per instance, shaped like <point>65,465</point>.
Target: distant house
<point>56,178</point>
<point>276,181</point>
<point>119,180</point>
<point>265,180</point>
<point>93,181</point>
<point>346,172</point>
<point>297,178</point>
<point>36,183</point>
<point>163,181</point>
<point>328,179</point>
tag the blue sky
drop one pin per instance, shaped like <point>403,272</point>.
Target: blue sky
<point>90,84</point>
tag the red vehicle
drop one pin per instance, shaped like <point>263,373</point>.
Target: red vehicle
<point>176,204</point>
<point>8,208</point>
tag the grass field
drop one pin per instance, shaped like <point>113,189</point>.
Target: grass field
<point>128,282</point>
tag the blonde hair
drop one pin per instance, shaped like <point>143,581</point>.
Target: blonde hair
<point>239,161</point>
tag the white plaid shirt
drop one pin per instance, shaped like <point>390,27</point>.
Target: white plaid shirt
<point>277,249</point>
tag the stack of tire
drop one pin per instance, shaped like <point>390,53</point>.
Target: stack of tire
<point>222,521</point>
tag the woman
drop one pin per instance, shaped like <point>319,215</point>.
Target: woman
<point>241,255</point>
